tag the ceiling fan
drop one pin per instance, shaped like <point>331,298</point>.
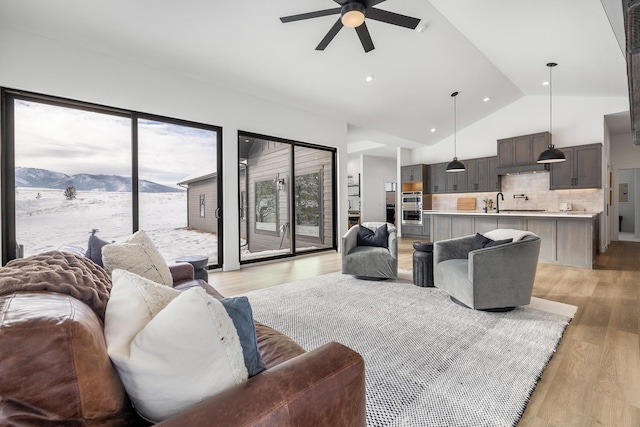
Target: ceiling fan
<point>353,14</point>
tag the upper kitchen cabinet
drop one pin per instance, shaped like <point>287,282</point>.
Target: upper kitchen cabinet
<point>457,181</point>
<point>415,178</point>
<point>413,173</point>
<point>494,178</point>
<point>437,178</point>
<point>482,174</point>
<point>582,169</point>
<point>522,150</point>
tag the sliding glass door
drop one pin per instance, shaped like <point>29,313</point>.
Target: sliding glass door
<point>286,197</point>
<point>178,188</point>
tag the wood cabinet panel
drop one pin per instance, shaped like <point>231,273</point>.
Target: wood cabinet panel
<point>494,178</point>
<point>505,152</point>
<point>461,226</point>
<point>484,224</point>
<point>582,169</point>
<point>522,150</point>
<point>546,230</point>
<point>426,225</point>
<point>515,223</point>
<point>437,178</point>
<point>574,243</point>
<point>440,227</point>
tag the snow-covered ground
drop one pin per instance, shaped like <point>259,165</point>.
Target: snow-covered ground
<point>46,221</point>
<point>50,221</point>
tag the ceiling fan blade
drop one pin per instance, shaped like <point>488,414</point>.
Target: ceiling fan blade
<point>372,3</point>
<point>365,37</point>
<point>330,35</point>
<point>392,18</point>
<point>310,15</point>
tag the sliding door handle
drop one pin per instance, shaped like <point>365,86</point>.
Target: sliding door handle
<point>218,213</point>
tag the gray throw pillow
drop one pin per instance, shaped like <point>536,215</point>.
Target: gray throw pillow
<point>94,248</point>
<point>480,241</point>
<point>379,238</point>
<point>239,310</point>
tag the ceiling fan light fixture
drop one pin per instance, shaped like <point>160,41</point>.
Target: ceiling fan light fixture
<point>352,14</point>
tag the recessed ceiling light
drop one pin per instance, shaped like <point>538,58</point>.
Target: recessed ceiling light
<point>369,78</point>
<point>486,99</point>
<point>545,83</point>
<point>433,130</point>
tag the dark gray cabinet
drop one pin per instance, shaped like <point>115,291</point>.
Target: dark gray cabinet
<point>413,173</point>
<point>456,181</point>
<point>582,169</point>
<point>480,175</point>
<point>412,230</point>
<point>522,150</point>
<point>494,178</point>
<point>437,178</point>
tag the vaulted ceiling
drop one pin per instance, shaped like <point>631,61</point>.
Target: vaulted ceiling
<point>491,48</point>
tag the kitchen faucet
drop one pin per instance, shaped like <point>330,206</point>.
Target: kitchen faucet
<point>498,201</point>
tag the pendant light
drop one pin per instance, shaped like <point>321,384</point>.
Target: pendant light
<point>455,165</point>
<point>551,154</point>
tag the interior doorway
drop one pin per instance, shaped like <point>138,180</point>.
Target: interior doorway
<point>628,200</point>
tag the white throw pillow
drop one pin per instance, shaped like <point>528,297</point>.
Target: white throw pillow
<point>171,349</point>
<point>138,255</point>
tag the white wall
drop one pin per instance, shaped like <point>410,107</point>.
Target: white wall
<point>576,120</point>
<point>42,65</point>
<point>376,171</point>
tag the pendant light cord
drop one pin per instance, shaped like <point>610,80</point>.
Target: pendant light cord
<point>550,101</point>
<point>455,128</point>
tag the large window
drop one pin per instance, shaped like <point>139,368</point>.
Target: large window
<point>285,216</point>
<point>70,168</point>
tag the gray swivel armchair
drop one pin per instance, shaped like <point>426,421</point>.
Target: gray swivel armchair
<point>495,278</point>
<point>370,262</point>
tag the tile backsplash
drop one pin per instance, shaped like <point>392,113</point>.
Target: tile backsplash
<point>535,186</point>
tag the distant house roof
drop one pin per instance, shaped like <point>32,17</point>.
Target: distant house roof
<point>197,178</point>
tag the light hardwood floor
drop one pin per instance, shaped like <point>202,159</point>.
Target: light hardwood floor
<point>594,377</point>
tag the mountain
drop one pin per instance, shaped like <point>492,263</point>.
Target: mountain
<point>42,178</point>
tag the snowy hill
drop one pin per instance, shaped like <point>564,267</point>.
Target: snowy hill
<point>42,178</point>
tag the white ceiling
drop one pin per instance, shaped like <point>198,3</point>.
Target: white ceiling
<point>489,48</point>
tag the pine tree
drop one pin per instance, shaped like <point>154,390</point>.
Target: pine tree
<point>70,193</point>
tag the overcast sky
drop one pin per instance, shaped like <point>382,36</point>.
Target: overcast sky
<point>76,141</point>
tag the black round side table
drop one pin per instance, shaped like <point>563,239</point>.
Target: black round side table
<point>199,263</point>
<point>423,264</point>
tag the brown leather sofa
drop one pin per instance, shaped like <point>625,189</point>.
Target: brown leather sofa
<point>55,371</point>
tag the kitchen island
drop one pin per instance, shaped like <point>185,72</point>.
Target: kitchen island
<point>568,238</point>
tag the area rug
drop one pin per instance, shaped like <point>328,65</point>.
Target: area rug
<point>429,362</point>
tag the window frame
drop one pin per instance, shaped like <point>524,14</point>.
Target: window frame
<point>7,159</point>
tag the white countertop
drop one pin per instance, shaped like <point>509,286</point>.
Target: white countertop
<point>570,214</point>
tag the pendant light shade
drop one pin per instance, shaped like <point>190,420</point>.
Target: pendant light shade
<point>551,154</point>
<point>455,165</point>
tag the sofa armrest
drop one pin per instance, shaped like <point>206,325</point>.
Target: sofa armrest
<point>350,240</point>
<point>393,244</point>
<point>457,248</point>
<point>181,272</point>
<point>323,387</point>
